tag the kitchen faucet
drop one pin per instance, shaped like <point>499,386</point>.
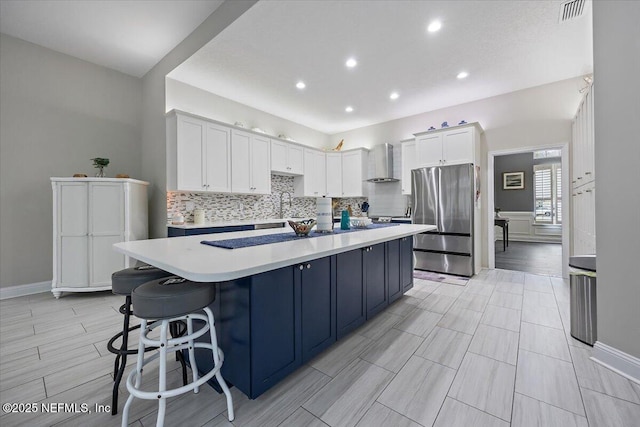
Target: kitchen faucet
<point>282,201</point>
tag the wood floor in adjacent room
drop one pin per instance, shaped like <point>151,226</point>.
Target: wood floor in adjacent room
<point>496,352</point>
<point>532,257</point>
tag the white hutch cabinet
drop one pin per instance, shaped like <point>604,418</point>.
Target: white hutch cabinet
<point>89,216</point>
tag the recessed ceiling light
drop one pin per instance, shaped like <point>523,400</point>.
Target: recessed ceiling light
<point>351,63</point>
<point>434,26</point>
<point>462,75</point>
<point>301,85</point>
<point>348,109</point>
<point>394,95</point>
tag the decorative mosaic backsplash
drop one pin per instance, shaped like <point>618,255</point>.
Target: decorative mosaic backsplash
<point>225,207</point>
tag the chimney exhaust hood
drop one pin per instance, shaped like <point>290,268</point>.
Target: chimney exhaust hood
<point>382,163</point>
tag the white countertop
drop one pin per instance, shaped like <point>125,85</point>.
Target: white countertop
<point>188,258</point>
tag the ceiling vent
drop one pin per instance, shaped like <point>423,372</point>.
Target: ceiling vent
<point>571,9</point>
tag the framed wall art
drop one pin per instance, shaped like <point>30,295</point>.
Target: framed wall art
<point>513,180</point>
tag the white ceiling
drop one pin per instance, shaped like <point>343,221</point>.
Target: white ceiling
<point>504,45</point>
<point>129,36</point>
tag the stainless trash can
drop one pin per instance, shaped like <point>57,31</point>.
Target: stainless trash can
<point>582,298</point>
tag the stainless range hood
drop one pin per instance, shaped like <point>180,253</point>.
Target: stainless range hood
<point>382,163</point>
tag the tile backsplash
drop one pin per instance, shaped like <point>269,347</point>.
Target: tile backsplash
<point>225,207</point>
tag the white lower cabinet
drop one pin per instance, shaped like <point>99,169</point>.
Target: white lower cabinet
<point>250,163</point>
<point>89,216</point>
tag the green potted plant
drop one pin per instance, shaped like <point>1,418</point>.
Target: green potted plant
<point>100,163</point>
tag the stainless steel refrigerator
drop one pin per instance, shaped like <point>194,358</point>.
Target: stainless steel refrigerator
<point>443,196</point>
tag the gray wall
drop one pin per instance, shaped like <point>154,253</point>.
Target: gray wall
<point>616,50</point>
<point>56,113</point>
<point>514,200</point>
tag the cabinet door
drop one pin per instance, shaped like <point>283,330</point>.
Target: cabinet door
<point>375,283</point>
<point>334,175</point>
<point>295,160</point>
<point>217,155</point>
<point>240,162</point>
<point>315,175</point>
<point>409,162</point>
<point>279,156</point>
<point>393,270</point>
<point>406,263</point>
<point>353,174</point>
<point>318,306</point>
<point>190,161</point>
<point>350,308</point>
<point>429,150</point>
<point>275,326</point>
<point>260,165</point>
<point>457,146</point>
<point>106,227</point>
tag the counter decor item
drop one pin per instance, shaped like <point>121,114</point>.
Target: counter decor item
<point>361,222</point>
<point>100,163</point>
<point>365,208</point>
<point>302,228</point>
<point>324,215</point>
<point>345,222</point>
<point>198,216</point>
<point>177,220</point>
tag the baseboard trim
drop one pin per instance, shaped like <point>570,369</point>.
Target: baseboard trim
<point>618,361</point>
<point>26,289</point>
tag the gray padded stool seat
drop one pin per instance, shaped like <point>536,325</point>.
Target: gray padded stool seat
<point>169,300</point>
<point>171,297</point>
<point>123,282</point>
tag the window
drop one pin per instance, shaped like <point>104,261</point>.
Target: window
<point>548,193</point>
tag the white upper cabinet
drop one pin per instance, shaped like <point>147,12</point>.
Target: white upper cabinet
<point>354,172</point>
<point>286,158</point>
<point>450,146</point>
<point>409,162</point>
<point>314,181</point>
<point>334,174</point>
<point>250,163</point>
<point>198,155</point>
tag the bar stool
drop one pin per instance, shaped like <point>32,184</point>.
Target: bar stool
<point>168,300</point>
<point>123,282</point>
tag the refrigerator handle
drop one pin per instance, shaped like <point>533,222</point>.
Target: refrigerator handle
<point>438,193</point>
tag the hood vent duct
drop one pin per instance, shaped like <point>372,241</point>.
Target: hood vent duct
<point>382,164</point>
<point>571,9</point>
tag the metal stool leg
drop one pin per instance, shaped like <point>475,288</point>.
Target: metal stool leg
<point>139,364</point>
<point>192,353</point>
<point>162,380</point>
<point>217,362</point>
<point>121,357</point>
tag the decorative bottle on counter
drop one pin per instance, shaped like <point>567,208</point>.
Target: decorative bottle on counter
<point>345,220</point>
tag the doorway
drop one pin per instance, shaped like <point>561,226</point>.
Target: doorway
<point>529,187</point>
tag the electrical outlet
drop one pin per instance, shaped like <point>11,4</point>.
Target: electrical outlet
<point>190,206</point>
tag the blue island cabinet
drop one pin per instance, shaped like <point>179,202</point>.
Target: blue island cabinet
<point>271,323</point>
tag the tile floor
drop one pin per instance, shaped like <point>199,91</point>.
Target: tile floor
<point>495,352</point>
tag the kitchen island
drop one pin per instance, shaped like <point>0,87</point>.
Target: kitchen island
<point>278,305</point>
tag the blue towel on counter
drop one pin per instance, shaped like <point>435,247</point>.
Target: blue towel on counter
<point>245,242</point>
